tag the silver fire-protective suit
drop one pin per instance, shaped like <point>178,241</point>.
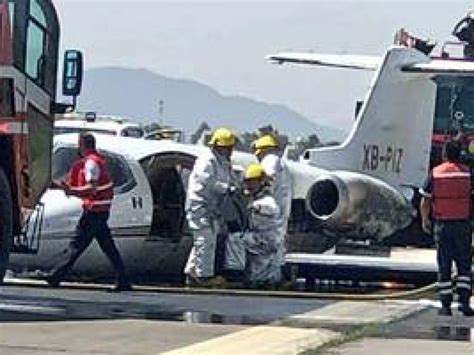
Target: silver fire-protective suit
<point>262,240</point>
<point>282,190</point>
<point>209,183</point>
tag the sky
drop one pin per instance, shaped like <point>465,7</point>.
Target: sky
<point>224,43</point>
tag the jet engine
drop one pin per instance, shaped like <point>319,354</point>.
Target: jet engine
<point>358,206</point>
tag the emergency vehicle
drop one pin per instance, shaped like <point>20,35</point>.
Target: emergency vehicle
<point>454,112</point>
<point>76,122</point>
<point>29,45</point>
<point>454,116</point>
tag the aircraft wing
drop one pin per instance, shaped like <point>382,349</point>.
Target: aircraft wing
<point>442,66</point>
<point>330,60</point>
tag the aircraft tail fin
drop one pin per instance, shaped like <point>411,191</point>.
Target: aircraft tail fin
<point>391,138</point>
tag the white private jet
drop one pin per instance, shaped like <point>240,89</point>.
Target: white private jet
<point>147,216</point>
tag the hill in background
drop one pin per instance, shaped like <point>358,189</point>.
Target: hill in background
<point>136,93</point>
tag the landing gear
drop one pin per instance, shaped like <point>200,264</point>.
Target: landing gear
<point>6,223</point>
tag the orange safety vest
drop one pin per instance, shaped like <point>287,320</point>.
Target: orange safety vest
<point>451,192</point>
<point>100,201</point>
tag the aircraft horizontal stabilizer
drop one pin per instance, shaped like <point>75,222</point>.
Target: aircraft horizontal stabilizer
<point>330,60</point>
<point>442,67</point>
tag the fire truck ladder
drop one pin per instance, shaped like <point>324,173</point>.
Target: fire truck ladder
<point>29,239</point>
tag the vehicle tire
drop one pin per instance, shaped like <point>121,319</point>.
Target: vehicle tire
<point>6,223</point>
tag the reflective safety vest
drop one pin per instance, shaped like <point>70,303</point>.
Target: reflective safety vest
<point>451,192</point>
<point>102,200</point>
<point>72,178</point>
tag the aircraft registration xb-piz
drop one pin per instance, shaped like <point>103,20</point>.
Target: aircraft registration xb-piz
<point>361,189</point>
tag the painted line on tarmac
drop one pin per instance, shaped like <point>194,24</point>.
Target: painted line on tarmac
<point>26,308</point>
<point>260,340</point>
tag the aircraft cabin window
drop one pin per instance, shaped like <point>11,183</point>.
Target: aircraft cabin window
<point>63,159</point>
<point>134,132</point>
<point>122,176</point>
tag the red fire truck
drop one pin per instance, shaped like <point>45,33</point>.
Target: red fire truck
<point>29,44</point>
<point>454,110</point>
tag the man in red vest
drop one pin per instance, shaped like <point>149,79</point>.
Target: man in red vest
<point>447,200</point>
<point>89,179</point>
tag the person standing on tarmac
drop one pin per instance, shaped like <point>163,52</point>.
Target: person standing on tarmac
<point>211,180</point>
<point>262,240</point>
<point>89,179</point>
<point>267,151</point>
<point>446,197</point>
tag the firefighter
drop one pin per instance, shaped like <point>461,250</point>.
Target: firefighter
<point>446,198</point>
<point>262,240</point>
<point>89,179</point>
<point>267,151</point>
<point>210,182</point>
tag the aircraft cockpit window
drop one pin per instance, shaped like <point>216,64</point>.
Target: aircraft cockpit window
<point>120,172</point>
<point>64,158</point>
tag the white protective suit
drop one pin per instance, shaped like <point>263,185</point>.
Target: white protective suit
<point>208,185</point>
<point>262,240</point>
<point>282,190</point>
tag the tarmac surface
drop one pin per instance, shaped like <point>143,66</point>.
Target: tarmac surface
<point>422,333</point>
<point>41,320</point>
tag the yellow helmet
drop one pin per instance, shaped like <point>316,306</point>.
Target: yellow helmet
<point>254,171</point>
<point>265,142</point>
<point>222,137</point>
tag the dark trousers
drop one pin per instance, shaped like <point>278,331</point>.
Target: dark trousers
<point>453,242</point>
<point>92,225</point>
